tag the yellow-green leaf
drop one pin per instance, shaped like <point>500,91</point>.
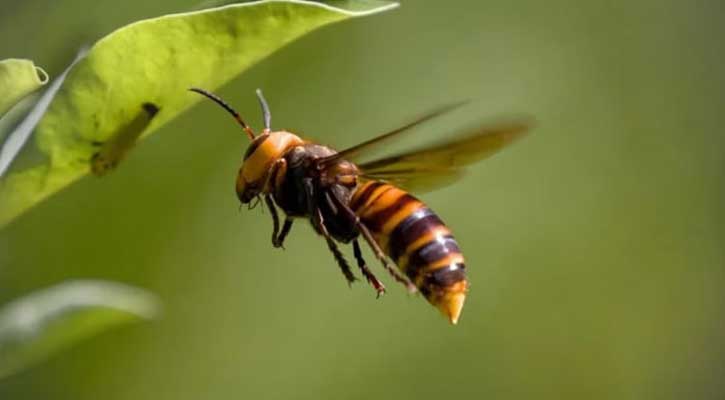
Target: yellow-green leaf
<point>36,326</point>
<point>153,62</point>
<point>18,78</point>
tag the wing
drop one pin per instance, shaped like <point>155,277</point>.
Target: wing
<point>441,164</point>
<point>373,144</point>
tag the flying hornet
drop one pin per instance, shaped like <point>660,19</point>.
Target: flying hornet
<point>346,200</point>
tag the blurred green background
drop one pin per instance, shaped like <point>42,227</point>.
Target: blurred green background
<point>594,246</point>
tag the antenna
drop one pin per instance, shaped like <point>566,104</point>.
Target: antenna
<point>265,110</point>
<point>227,107</point>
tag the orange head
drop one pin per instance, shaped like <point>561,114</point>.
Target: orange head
<point>261,154</point>
<point>258,160</point>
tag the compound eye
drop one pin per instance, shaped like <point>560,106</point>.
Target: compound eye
<point>254,145</point>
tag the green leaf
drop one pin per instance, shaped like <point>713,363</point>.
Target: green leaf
<point>18,78</point>
<point>45,322</point>
<point>152,62</point>
<point>33,112</point>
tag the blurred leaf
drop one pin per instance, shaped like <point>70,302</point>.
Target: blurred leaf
<point>45,322</point>
<point>18,78</point>
<point>153,62</point>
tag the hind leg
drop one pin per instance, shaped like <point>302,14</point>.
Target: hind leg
<point>384,259</point>
<point>279,242</point>
<point>372,279</point>
<point>379,254</point>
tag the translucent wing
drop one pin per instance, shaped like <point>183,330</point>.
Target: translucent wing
<point>441,164</point>
<point>370,146</point>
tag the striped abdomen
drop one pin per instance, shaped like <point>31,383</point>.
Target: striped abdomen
<point>417,240</point>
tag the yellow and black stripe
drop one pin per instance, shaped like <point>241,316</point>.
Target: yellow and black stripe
<point>417,240</point>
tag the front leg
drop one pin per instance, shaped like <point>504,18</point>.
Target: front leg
<point>274,180</point>
<point>279,242</point>
<point>276,175</point>
<point>275,219</point>
<point>277,235</point>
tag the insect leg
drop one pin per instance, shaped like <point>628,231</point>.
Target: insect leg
<point>339,257</point>
<point>283,234</point>
<point>319,221</point>
<point>275,219</point>
<point>277,172</point>
<point>372,279</point>
<point>374,245</point>
<point>383,259</point>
